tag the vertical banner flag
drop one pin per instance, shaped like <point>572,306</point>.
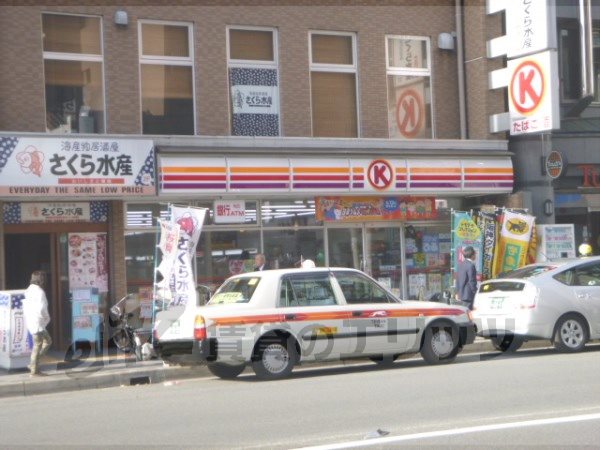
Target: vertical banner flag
<point>169,239</point>
<point>487,225</point>
<point>190,221</point>
<point>466,233</point>
<point>512,247</point>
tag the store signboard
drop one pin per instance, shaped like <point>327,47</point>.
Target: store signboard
<point>527,27</point>
<point>55,212</point>
<point>350,209</point>
<point>533,93</point>
<point>75,167</point>
<point>229,211</point>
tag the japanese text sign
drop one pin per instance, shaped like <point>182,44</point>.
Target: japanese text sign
<point>69,167</point>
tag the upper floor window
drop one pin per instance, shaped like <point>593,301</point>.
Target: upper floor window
<point>167,78</point>
<point>73,73</point>
<point>253,81</point>
<point>409,87</point>
<point>333,84</point>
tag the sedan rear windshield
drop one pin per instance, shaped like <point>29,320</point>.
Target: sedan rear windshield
<point>505,286</point>
<point>238,290</point>
<point>527,272</point>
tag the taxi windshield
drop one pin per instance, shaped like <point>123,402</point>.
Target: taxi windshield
<point>237,290</point>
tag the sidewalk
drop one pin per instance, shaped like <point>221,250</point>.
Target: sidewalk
<point>122,370</point>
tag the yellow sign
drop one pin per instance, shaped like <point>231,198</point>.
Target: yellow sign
<point>468,230</point>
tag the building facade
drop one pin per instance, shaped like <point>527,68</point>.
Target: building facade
<point>308,130</point>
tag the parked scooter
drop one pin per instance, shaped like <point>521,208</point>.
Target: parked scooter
<point>126,338</point>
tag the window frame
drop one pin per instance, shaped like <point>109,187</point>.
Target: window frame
<point>252,63</point>
<point>82,57</point>
<point>412,72</point>
<point>155,60</point>
<point>335,68</point>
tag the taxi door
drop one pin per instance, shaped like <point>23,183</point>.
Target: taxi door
<point>312,312</point>
<point>376,322</point>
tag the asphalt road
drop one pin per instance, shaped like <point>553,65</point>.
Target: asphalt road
<point>535,397</point>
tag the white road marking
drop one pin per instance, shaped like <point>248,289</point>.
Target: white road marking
<point>454,432</point>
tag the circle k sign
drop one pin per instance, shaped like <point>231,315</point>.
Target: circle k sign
<point>527,87</point>
<point>410,113</point>
<point>380,174</point>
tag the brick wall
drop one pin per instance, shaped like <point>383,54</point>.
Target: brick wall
<point>22,108</point>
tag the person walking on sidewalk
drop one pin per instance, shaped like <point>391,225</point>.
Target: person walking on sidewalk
<point>35,311</point>
<point>466,278</point>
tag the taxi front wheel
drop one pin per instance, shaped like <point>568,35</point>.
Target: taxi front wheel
<point>275,358</point>
<point>440,344</point>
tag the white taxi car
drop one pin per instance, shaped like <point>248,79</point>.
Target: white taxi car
<point>554,300</point>
<point>273,320</point>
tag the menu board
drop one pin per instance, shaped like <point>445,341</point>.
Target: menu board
<point>88,266</point>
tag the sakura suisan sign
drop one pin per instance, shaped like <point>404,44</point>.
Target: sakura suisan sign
<point>73,167</point>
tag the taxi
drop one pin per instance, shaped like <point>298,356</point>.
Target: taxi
<point>273,320</point>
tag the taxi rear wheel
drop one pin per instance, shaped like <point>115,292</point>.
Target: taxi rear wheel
<point>440,344</point>
<point>275,358</point>
<point>225,371</point>
<point>507,343</point>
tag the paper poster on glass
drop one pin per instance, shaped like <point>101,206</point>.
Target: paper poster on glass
<point>88,264</point>
<point>254,101</point>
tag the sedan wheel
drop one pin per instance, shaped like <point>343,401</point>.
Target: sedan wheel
<point>440,344</point>
<point>274,360</point>
<point>571,334</point>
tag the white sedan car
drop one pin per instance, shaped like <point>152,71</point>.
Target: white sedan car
<point>273,320</point>
<point>555,300</point>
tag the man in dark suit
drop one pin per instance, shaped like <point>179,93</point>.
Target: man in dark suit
<point>466,278</point>
<point>260,263</point>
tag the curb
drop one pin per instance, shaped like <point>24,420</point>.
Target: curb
<point>151,372</point>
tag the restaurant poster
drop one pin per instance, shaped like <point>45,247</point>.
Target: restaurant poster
<point>88,264</point>
<point>349,209</point>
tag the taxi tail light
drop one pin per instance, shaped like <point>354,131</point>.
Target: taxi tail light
<point>199,328</point>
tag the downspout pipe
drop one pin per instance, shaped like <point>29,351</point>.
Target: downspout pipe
<point>460,63</point>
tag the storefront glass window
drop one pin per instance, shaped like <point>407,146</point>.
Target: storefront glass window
<point>288,213</point>
<point>288,248</point>
<point>140,251</point>
<point>333,85</point>
<point>167,78</point>
<point>427,258</point>
<point>73,74</point>
<point>409,87</point>
<point>221,254</point>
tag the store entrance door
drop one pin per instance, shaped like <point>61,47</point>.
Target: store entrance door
<point>26,253</point>
<point>383,252</point>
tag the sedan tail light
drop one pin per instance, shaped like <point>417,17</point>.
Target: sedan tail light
<point>199,328</point>
<point>529,301</point>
